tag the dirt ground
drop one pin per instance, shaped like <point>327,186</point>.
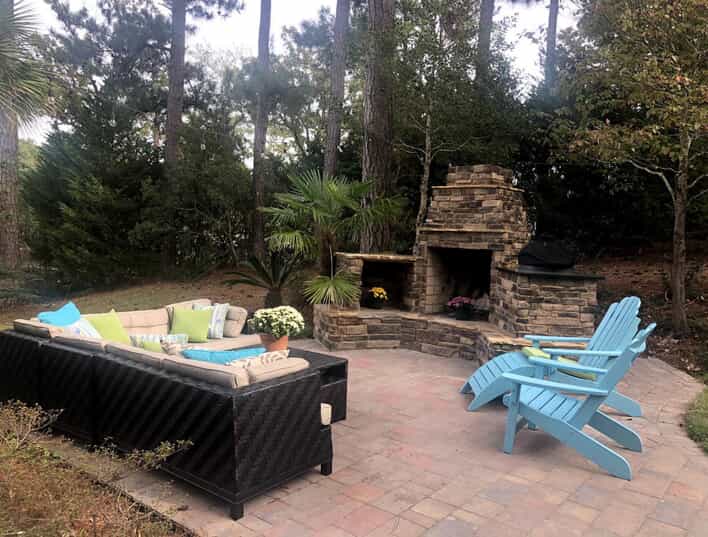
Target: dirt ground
<point>646,275</point>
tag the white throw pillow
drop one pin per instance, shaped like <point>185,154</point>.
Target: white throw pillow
<point>218,319</point>
<point>138,339</point>
<point>83,328</point>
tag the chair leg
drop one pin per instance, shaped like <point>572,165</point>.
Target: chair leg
<point>326,468</point>
<point>511,420</point>
<point>495,389</point>
<point>601,455</point>
<point>624,404</point>
<point>619,433</point>
<point>236,511</point>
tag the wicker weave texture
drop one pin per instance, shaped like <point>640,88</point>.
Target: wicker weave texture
<point>277,431</point>
<point>66,383</point>
<point>19,367</point>
<point>141,407</point>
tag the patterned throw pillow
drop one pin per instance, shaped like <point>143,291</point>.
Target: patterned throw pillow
<point>82,328</point>
<point>218,319</point>
<point>138,339</point>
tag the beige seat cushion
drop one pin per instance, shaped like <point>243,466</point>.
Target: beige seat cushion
<point>275,369</point>
<point>227,376</point>
<point>136,354</point>
<point>187,304</point>
<point>227,343</point>
<point>81,342</point>
<point>325,414</point>
<point>35,328</point>
<point>145,321</point>
<point>235,321</point>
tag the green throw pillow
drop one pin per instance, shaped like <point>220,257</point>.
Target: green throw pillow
<point>109,326</point>
<point>194,323</point>
<point>152,346</point>
<point>535,352</point>
<point>576,374</point>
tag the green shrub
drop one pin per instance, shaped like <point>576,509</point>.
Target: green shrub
<point>697,420</point>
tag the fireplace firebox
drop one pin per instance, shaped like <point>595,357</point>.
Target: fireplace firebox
<point>453,272</point>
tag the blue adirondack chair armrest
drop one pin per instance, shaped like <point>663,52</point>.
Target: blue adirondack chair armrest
<point>576,352</point>
<point>566,365</point>
<point>555,386</point>
<point>567,339</point>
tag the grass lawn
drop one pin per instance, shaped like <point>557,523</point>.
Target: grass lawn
<point>146,296</point>
<point>697,420</point>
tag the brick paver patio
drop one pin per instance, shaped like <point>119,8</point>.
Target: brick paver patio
<point>410,460</point>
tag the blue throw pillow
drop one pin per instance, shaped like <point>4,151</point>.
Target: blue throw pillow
<point>64,316</point>
<point>221,357</point>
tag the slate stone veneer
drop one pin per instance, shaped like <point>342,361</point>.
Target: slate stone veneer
<point>479,209</point>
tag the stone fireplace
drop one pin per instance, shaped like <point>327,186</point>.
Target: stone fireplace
<point>469,244</point>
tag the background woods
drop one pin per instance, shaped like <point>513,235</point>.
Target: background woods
<point>155,148</point>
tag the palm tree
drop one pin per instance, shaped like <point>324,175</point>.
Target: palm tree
<point>23,83</point>
<point>274,276</point>
<point>316,216</point>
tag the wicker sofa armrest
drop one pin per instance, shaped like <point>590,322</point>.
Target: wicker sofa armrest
<point>278,431</point>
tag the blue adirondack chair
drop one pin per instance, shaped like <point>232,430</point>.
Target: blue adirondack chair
<point>615,331</point>
<point>542,404</point>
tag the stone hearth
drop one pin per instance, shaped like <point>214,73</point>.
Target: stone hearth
<point>468,245</point>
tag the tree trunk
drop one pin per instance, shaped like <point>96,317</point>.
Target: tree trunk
<point>679,319</point>
<point>425,179</point>
<point>9,187</point>
<point>260,130</point>
<point>551,51</point>
<point>484,45</point>
<point>378,115</point>
<point>175,97</point>
<point>334,114</point>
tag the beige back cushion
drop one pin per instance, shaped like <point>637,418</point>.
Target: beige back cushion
<point>145,321</point>
<point>235,321</point>
<point>35,328</point>
<point>227,376</point>
<point>136,354</point>
<point>277,368</point>
<point>81,342</point>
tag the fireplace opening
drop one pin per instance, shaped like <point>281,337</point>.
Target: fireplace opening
<point>454,272</point>
<point>394,277</point>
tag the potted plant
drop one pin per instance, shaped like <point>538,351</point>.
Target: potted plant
<point>376,298</point>
<point>461,307</point>
<point>275,325</point>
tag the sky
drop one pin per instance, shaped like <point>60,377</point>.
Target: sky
<point>239,32</point>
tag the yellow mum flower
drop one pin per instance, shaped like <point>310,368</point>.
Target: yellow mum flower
<point>379,293</point>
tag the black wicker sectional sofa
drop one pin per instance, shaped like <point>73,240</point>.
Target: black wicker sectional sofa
<point>244,440</point>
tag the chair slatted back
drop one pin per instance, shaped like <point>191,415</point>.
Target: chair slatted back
<point>619,330</point>
<point>616,371</point>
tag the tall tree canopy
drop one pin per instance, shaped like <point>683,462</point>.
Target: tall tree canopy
<point>643,86</point>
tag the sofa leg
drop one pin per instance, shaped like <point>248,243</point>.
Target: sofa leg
<point>326,468</point>
<point>236,511</point>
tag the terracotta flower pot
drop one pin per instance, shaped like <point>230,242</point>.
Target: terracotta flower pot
<point>272,344</point>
